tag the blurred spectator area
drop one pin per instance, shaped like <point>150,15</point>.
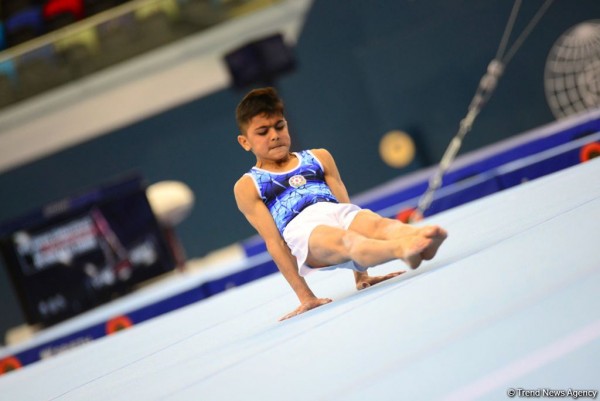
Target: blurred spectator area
<point>47,43</point>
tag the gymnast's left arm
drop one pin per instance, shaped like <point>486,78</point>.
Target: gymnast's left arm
<point>335,183</point>
<point>332,175</point>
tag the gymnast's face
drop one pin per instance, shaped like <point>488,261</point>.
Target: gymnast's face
<point>267,137</point>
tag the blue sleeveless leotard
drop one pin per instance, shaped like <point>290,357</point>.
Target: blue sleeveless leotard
<point>287,194</point>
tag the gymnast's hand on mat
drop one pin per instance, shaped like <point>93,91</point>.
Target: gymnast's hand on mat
<point>305,306</point>
<point>363,280</point>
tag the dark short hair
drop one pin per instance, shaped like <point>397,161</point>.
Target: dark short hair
<point>257,102</point>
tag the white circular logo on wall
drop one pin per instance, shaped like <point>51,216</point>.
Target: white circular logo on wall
<point>572,75</point>
<point>297,181</point>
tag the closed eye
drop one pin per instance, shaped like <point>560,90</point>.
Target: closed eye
<point>279,126</point>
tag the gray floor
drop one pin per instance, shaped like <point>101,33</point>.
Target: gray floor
<point>511,301</point>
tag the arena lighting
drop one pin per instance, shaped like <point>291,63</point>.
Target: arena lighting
<point>397,149</point>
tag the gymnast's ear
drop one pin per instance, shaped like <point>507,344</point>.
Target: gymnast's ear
<point>243,141</point>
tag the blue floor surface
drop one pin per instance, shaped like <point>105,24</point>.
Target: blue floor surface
<point>511,301</point>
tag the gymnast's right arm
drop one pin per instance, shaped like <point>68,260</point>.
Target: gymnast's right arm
<point>257,214</point>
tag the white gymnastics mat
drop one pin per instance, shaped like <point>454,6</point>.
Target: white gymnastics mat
<point>512,301</point>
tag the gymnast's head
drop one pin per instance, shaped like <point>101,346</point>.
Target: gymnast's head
<point>258,102</point>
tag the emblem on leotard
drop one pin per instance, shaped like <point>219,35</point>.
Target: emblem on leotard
<point>297,181</point>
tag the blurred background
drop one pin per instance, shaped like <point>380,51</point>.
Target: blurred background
<point>94,90</point>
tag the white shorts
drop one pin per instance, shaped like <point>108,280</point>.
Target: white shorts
<point>298,231</point>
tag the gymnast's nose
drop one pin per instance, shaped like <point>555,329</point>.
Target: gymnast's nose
<point>274,134</point>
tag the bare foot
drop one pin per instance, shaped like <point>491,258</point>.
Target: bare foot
<point>437,236</point>
<point>421,245</point>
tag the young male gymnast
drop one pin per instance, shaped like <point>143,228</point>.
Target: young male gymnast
<point>300,207</point>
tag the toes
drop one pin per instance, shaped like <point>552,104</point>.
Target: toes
<point>429,252</point>
<point>433,232</point>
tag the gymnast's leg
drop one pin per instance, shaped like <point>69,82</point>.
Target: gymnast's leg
<point>419,243</point>
<point>329,246</point>
<point>372,225</point>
